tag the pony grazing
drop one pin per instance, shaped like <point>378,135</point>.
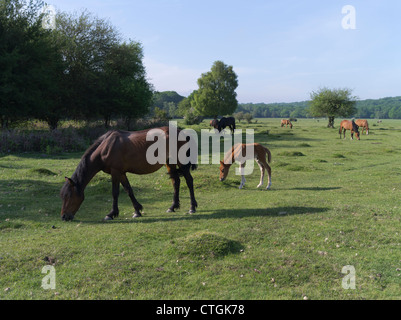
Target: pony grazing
<point>116,153</point>
<point>214,123</point>
<point>226,122</point>
<point>286,123</point>
<point>349,125</point>
<point>363,124</point>
<point>238,152</point>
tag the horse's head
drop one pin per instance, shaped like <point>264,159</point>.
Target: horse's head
<point>72,199</point>
<point>224,168</point>
<point>355,128</point>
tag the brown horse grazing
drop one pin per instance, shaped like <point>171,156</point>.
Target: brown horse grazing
<point>286,123</point>
<point>214,123</point>
<point>363,124</point>
<point>116,153</point>
<point>238,152</point>
<point>349,125</point>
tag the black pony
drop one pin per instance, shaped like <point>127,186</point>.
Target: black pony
<point>226,122</point>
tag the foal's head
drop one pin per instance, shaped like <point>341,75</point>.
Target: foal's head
<point>224,168</point>
<point>72,198</point>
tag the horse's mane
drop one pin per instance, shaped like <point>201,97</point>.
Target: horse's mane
<point>82,168</point>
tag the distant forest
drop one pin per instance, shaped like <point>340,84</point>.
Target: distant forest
<point>167,103</point>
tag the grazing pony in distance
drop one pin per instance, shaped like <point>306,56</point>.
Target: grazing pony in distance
<point>226,122</point>
<point>214,123</point>
<point>238,152</point>
<point>349,125</point>
<point>286,123</point>
<point>363,124</point>
<point>116,153</point>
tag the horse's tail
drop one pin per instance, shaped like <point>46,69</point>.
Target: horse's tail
<point>269,155</point>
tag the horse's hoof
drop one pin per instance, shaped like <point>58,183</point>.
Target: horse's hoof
<point>170,210</point>
<point>107,218</point>
<point>137,215</point>
<point>191,211</point>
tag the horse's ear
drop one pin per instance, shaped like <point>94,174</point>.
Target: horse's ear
<point>72,183</point>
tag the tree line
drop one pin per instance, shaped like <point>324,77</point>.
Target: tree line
<point>80,69</point>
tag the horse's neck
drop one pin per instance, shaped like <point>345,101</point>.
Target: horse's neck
<point>85,171</point>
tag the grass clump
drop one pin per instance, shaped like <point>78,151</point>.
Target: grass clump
<point>205,244</point>
<point>291,154</point>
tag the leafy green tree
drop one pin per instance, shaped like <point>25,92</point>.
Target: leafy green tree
<point>29,62</point>
<point>239,116</point>
<point>332,103</point>
<point>216,94</point>
<point>85,42</point>
<point>123,88</point>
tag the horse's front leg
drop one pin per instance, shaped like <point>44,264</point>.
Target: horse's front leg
<point>127,187</point>
<point>190,183</point>
<point>115,192</point>
<point>175,179</point>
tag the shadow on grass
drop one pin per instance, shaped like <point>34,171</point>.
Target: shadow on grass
<point>221,214</point>
<point>317,188</point>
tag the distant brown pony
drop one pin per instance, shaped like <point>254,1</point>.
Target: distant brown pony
<point>239,150</point>
<point>214,123</point>
<point>363,124</point>
<point>349,125</point>
<point>116,153</point>
<point>286,123</point>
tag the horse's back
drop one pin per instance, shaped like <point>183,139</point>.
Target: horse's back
<point>126,151</point>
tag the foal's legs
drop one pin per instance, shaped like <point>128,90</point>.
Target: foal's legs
<point>264,165</point>
<point>262,173</point>
<point>243,180</point>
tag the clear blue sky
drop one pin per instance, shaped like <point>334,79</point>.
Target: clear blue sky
<point>281,50</point>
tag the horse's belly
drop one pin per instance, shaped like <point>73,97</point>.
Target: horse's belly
<point>145,169</point>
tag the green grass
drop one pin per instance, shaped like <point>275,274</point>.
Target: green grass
<point>333,203</point>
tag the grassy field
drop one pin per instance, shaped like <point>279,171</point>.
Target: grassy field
<point>333,203</point>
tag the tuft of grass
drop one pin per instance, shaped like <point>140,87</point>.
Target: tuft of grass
<point>338,156</point>
<point>42,172</point>
<point>291,154</point>
<point>205,244</point>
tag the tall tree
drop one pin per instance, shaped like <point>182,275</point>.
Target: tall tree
<point>28,61</point>
<point>124,89</point>
<point>85,41</point>
<point>216,94</point>
<point>332,103</point>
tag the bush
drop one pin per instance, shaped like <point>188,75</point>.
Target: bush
<point>66,140</point>
<point>190,119</point>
